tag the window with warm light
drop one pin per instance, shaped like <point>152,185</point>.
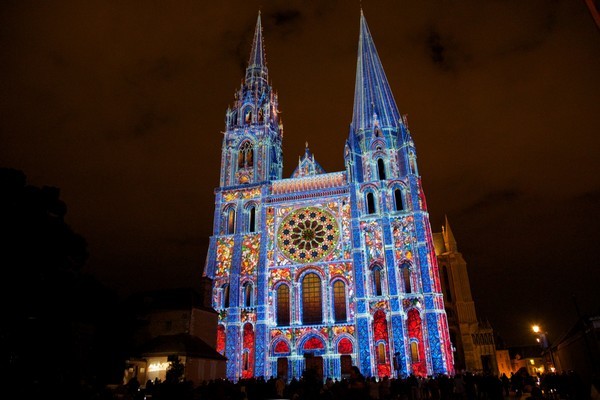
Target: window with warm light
<point>339,301</point>
<point>312,312</point>
<point>283,305</point>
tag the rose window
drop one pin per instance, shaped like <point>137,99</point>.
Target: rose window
<point>308,234</point>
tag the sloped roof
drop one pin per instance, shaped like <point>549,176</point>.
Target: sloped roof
<point>168,299</point>
<point>181,344</point>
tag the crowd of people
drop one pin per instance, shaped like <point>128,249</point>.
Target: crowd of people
<point>462,386</point>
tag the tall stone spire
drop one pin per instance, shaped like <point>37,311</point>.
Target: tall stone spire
<point>373,99</point>
<point>257,65</point>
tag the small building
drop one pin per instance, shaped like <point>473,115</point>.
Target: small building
<point>174,324</point>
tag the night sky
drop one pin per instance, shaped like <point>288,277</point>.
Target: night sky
<point>121,105</point>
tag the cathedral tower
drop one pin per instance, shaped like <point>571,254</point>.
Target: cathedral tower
<point>324,270</point>
<point>251,150</point>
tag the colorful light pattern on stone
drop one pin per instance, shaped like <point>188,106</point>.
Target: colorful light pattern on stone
<point>318,223</point>
<point>308,234</point>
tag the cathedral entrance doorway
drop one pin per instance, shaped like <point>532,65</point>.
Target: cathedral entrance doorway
<point>314,363</point>
<point>345,365</point>
<point>282,367</point>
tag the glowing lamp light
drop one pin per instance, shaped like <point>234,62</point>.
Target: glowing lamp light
<point>158,367</point>
<point>535,328</point>
<point>532,362</point>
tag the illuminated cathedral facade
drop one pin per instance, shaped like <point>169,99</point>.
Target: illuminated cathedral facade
<point>324,270</point>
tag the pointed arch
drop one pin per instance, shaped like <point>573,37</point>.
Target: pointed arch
<point>339,301</point>
<point>250,211</point>
<point>283,305</point>
<point>225,295</point>
<point>312,307</point>
<point>248,294</point>
<point>381,169</point>
<point>377,278</point>
<point>398,199</point>
<point>248,350</point>
<point>345,346</point>
<point>221,338</point>
<point>370,200</point>
<point>414,329</point>
<point>230,212</point>
<point>246,155</point>
<point>381,342</point>
<point>406,277</point>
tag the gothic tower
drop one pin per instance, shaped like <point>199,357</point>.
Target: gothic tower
<point>324,270</point>
<point>251,150</point>
<point>475,347</point>
<point>391,220</point>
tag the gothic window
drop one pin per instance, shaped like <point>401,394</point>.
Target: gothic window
<point>381,353</point>
<point>413,164</point>
<point>248,294</point>
<point>377,281</point>
<point>339,301</point>
<point>447,288</point>
<point>370,203</point>
<point>414,352</point>
<point>344,346</point>
<point>246,155</point>
<point>312,312</point>
<point>225,296</point>
<point>231,221</point>
<point>283,305</point>
<point>398,200</point>
<point>378,132</point>
<point>221,339</point>
<point>380,169</point>
<point>406,279</point>
<point>260,115</point>
<point>252,219</point>
<point>248,352</point>
<point>248,116</point>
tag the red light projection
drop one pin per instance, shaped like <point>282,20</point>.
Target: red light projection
<point>415,334</point>
<point>282,347</point>
<point>313,343</point>
<point>248,352</point>
<point>380,337</point>
<point>345,346</point>
<point>221,339</point>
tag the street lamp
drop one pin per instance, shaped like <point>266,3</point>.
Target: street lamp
<point>542,339</point>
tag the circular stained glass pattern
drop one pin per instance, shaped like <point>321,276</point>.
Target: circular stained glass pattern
<point>308,234</point>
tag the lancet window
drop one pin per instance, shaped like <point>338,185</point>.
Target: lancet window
<point>246,155</point>
<point>370,203</point>
<point>339,301</point>
<point>252,219</point>
<point>225,295</point>
<point>398,203</point>
<point>377,290</point>
<point>381,169</point>
<point>230,220</point>
<point>248,298</point>
<point>283,305</point>
<point>312,310</point>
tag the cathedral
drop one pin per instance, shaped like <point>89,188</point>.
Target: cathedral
<point>324,270</point>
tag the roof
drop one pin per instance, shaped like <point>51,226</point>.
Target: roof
<point>181,344</point>
<point>168,299</point>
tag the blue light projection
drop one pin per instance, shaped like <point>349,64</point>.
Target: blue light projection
<point>309,270</point>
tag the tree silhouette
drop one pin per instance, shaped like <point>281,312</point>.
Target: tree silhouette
<point>56,319</point>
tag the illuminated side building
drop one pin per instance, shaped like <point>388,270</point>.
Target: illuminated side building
<point>324,270</point>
